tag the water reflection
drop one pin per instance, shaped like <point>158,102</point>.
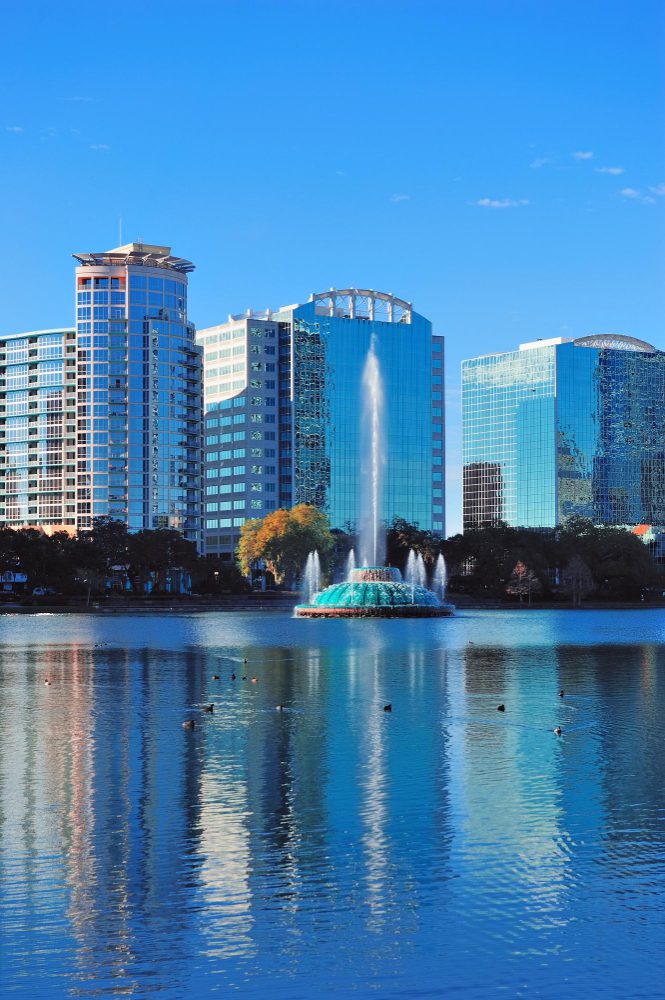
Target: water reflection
<point>329,846</point>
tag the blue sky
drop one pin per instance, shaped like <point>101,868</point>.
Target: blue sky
<point>500,164</point>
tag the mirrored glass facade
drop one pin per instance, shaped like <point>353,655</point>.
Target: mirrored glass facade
<point>295,379</point>
<point>139,382</point>
<point>565,428</point>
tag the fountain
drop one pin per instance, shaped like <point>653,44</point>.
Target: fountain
<point>350,564</point>
<point>372,590</point>
<point>311,577</point>
<point>440,581</point>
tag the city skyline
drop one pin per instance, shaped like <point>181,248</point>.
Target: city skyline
<point>527,199</point>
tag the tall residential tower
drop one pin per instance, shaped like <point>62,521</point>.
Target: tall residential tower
<point>139,391</point>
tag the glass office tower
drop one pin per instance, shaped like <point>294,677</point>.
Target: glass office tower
<point>565,427</point>
<point>139,406</point>
<point>291,382</point>
<point>38,430</point>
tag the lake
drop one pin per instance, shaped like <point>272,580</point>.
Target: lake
<point>331,848</point>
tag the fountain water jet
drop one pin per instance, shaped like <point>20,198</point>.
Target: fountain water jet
<point>373,590</point>
<point>410,574</point>
<point>421,572</point>
<point>311,577</point>
<point>350,564</point>
<point>372,540</point>
<point>440,581</point>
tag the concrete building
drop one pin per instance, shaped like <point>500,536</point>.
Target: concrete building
<point>38,430</point>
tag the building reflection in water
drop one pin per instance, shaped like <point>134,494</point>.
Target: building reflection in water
<point>263,833</point>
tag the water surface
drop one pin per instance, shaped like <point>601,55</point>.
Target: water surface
<point>332,848</point>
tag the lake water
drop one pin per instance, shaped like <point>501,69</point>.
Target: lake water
<point>333,849</point>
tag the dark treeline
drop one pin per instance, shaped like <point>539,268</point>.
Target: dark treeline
<point>574,562</point>
<point>109,558</point>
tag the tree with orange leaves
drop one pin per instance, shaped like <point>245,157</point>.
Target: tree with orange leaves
<point>283,539</point>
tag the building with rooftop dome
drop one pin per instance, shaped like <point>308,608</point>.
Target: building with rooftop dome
<point>284,412</point>
<point>565,427</point>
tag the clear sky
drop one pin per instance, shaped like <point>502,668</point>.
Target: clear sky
<point>501,164</point>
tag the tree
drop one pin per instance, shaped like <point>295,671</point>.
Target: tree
<point>577,580</point>
<point>403,535</point>
<point>154,554</point>
<point>283,539</point>
<point>523,582</point>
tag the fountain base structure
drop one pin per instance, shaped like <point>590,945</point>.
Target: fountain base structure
<point>375,592</point>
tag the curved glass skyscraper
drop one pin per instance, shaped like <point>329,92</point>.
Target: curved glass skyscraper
<point>563,428</point>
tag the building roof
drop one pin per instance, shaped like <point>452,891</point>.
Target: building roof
<point>138,254</point>
<point>362,303</point>
<point>615,342</point>
<point>36,333</point>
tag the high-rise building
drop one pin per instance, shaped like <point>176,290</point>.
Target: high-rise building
<point>565,427</point>
<point>284,412</point>
<point>38,430</point>
<point>139,391</point>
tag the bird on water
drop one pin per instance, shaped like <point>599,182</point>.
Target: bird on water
<point>557,730</point>
<point>215,677</point>
<point>501,708</point>
<point>209,708</point>
<point>387,708</point>
<point>189,724</point>
<point>561,692</point>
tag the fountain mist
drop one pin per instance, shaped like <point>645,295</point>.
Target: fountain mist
<point>410,571</point>
<point>350,564</point>
<point>372,539</point>
<point>311,577</point>
<point>440,581</point>
<point>421,572</point>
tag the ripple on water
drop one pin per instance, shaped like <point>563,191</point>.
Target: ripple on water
<point>331,848</point>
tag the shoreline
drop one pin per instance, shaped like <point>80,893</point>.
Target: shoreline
<point>275,603</point>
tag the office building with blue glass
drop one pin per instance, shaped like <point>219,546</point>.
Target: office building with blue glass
<point>284,412</point>
<point>565,427</point>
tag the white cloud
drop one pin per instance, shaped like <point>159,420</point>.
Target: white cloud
<point>400,197</point>
<point>100,145</point>
<point>500,202</point>
<point>539,161</point>
<point>582,155</point>
<point>15,128</point>
<point>635,195</point>
<point>658,189</point>
<point>614,171</point>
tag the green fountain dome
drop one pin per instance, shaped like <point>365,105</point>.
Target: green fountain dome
<point>374,592</point>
